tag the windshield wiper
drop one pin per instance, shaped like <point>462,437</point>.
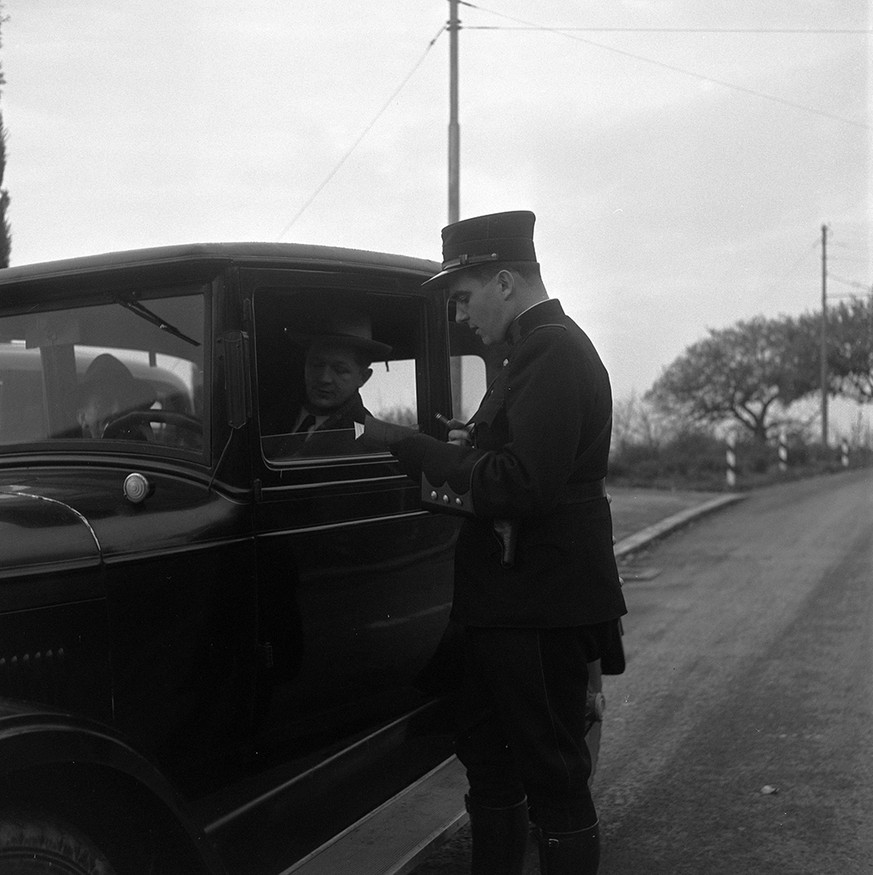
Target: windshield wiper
<point>144,313</point>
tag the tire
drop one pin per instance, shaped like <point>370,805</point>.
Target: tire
<point>32,844</point>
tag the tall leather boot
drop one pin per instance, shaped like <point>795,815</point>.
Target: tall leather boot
<point>569,853</point>
<point>499,838</point>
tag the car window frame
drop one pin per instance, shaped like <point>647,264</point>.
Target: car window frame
<point>331,472</point>
<point>107,295</point>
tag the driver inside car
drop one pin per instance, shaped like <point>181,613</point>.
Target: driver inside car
<point>107,391</point>
<point>337,365</point>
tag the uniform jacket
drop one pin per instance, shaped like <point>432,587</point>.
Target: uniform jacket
<point>541,445</point>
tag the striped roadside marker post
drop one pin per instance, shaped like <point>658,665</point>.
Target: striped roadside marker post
<point>731,460</point>
<point>783,450</point>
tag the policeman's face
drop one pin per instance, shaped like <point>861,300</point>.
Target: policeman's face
<point>332,375</point>
<point>482,305</point>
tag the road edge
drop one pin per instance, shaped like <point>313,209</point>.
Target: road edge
<point>644,537</point>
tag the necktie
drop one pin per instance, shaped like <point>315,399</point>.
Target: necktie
<point>306,425</point>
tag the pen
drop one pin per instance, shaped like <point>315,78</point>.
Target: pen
<point>470,428</point>
<point>448,423</point>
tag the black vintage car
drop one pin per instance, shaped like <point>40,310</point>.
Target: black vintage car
<point>214,653</point>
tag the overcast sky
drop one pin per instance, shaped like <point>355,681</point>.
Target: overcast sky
<point>680,171</point>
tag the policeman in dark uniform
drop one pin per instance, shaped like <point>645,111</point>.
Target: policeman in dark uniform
<point>536,585</point>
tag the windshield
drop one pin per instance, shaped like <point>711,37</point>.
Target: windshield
<point>107,372</point>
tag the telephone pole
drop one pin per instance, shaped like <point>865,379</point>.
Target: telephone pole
<point>824,337</point>
<point>454,177</point>
<point>454,126</point>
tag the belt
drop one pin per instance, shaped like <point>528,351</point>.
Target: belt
<point>587,490</point>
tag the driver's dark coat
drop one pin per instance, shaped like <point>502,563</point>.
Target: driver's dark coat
<point>334,437</point>
<point>542,434</point>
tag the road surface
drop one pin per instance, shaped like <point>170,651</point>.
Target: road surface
<point>740,739</point>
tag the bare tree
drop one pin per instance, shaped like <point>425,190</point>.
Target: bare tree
<point>749,373</point>
<point>850,348</point>
<point>635,421</point>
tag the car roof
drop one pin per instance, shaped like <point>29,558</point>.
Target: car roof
<point>304,256</point>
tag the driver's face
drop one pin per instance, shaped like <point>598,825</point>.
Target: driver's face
<point>94,413</point>
<point>332,375</point>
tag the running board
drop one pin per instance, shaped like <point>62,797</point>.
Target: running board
<point>395,837</point>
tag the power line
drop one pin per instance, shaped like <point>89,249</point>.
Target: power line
<point>364,133</point>
<point>814,245</point>
<point>783,277</point>
<point>853,283</point>
<point>726,30</point>
<point>853,259</point>
<point>566,31</point>
<point>675,69</point>
<point>844,245</point>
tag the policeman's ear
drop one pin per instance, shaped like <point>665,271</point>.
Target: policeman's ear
<point>366,373</point>
<point>506,284</point>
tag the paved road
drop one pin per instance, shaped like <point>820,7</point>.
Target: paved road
<point>740,740</point>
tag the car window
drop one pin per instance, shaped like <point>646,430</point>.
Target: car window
<point>129,370</point>
<point>468,385</point>
<point>326,359</point>
<point>473,366</point>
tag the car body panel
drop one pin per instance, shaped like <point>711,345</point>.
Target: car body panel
<point>26,519</point>
<point>262,630</point>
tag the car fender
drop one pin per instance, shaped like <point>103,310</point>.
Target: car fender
<point>39,533</point>
<point>47,755</point>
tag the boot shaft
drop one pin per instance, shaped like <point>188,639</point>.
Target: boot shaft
<point>499,838</point>
<point>569,853</point>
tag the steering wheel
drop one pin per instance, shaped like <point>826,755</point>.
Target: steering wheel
<point>116,427</point>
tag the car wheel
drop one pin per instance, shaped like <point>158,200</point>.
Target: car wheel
<point>36,845</point>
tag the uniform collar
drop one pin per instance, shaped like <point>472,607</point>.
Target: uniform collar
<point>537,315</point>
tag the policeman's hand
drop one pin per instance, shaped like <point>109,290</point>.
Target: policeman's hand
<point>460,436</point>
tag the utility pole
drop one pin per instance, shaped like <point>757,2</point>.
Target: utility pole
<point>454,177</point>
<point>824,337</point>
<point>454,127</point>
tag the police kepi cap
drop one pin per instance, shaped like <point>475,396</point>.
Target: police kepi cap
<point>496,237</point>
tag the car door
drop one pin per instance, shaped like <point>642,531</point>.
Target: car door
<point>355,579</point>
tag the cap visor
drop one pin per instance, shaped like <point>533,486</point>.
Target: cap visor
<point>439,280</point>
